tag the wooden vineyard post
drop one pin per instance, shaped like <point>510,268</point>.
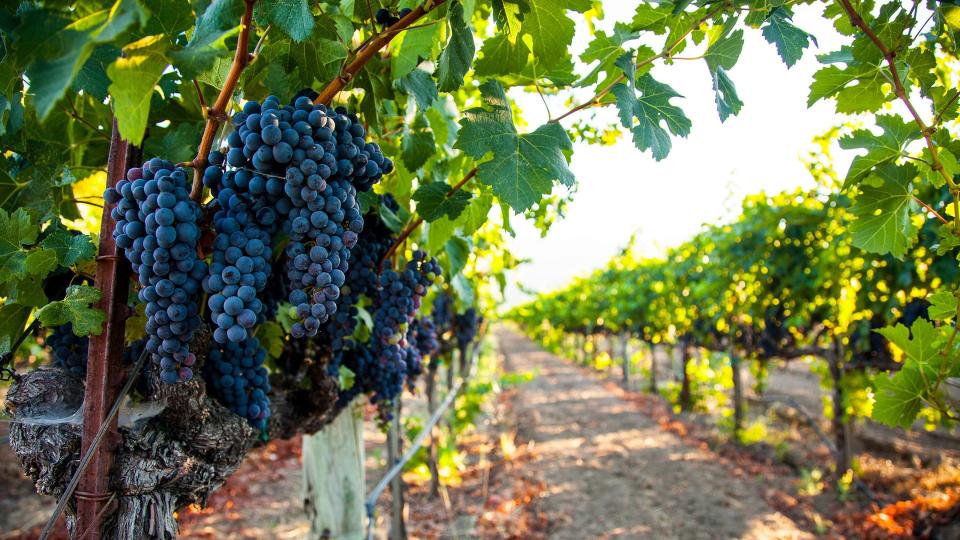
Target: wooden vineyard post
<point>685,397</point>
<point>105,373</point>
<point>431,391</point>
<point>652,351</point>
<point>841,427</point>
<point>738,411</point>
<point>334,481</point>
<point>625,353</point>
<point>398,529</point>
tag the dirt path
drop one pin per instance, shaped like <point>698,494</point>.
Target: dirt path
<point>612,472</point>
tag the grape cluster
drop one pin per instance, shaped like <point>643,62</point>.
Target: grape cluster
<point>240,382</point>
<point>386,19</point>
<point>69,350</point>
<point>362,279</point>
<point>156,226</point>
<point>443,312</point>
<point>238,272</point>
<point>465,327</point>
<point>298,169</point>
<point>423,334</point>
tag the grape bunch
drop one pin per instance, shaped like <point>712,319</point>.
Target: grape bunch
<point>423,334</point>
<point>386,19</point>
<point>69,350</point>
<point>240,382</point>
<point>156,226</point>
<point>465,327</point>
<point>362,279</point>
<point>443,312</point>
<point>298,169</point>
<point>238,272</point>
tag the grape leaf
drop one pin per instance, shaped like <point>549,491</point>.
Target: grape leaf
<point>475,214</point>
<point>414,45</point>
<point>550,29</point>
<point>419,84</point>
<point>724,53</point>
<point>69,248</point>
<point>134,77</point>
<point>458,53</point>
<point>434,201</point>
<point>271,335</point>
<point>293,17</point>
<point>524,166</point>
<point>418,144</point>
<point>728,102</point>
<point>76,309</point>
<point>882,212</point>
<point>652,109</point>
<point>789,40</point>
<point>866,95</point>
<point>64,54</point>
<point>943,305</point>
<point>501,56</point>
<point>438,232</point>
<point>921,343</point>
<point>12,319</point>
<point>898,397</point>
<point>458,252</point>
<point>41,261</point>
<point>880,148</point>
<point>605,50</point>
<point>17,230</point>
<point>650,17</point>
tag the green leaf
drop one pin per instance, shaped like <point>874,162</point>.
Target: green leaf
<point>950,166</point>
<point>866,95</point>
<point>724,53</point>
<point>13,317</point>
<point>789,40</point>
<point>899,398</point>
<point>524,167</point>
<point>415,45</point>
<point>270,334</point>
<point>134,77</point>
<point>921,343</point>
<point>728,102</point>
<point>882,211</point>
<point>64,54</point>
<point>652,109</point>
<point>500,56</point>
<point>650,17</point>
<point>434,200</point>
<point>41,261</point>
<point>550,29</point>
<point>943,305</point>
<point>418,144</point>
<point>419,84</point>
<point>69,248</point>
<point>458,252</point>
<point>476,213</point>
<point>458,53</point>
<point>17,230</point>
<point>293,17</point>
<point>880,148</point>
<point>605,50</point>
<point>76,309</point>
<point>438,232</point>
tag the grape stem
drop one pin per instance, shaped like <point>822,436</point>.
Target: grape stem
<point>412,226</point>
<point>889,56</point>
<point>369,50</point>
<point>218,112</point>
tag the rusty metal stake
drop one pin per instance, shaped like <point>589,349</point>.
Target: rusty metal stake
<point>105,372</point>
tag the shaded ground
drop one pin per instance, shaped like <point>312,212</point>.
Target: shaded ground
<point>614,473</point>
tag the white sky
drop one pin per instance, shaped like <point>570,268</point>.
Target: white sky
<point>706,175</point>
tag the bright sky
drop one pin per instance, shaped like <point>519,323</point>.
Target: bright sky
<point>706,175</point>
